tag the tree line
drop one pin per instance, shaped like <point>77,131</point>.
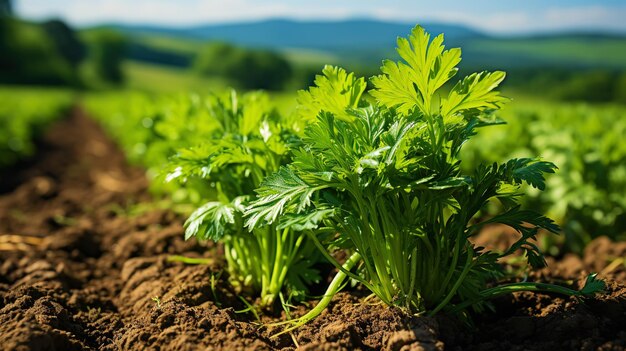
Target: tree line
<point>52,53</point>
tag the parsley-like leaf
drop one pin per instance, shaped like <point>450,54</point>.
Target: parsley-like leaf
<point>427,68</point>
<point>336,91</point>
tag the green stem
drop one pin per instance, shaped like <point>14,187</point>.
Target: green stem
<point>189,260</point>
<point>377,244</point>
<point>267,252</point>
<point>278,260</point>
<point>457,284</point>
<point>334,262</point>
<point>412,278</point>
<point>455,257</point>
<point>335,285</point>
<point>517,287</point>
<point>295,248</point>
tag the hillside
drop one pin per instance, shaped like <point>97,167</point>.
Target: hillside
<point>366,42</point>
<point>319,35</point>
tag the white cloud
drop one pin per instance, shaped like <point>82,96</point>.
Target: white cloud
<point>551,19</point>
<point>586,17</point>
<point>511,22</point>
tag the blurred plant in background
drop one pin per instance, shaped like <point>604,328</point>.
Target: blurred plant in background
<point>108,52</point>
<point>24,115</point>
<point>586,195</point>
<point>247,69</point>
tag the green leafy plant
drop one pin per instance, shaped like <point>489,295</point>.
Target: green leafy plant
<point>244,67</point>
<point>585,197</point>
<point>384,179</point>
<point>250,141</point>
<point>25,113</point>
<point>151,129</point>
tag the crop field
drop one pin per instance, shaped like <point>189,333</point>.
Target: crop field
<point>24,114</point>
<point>418,208</point>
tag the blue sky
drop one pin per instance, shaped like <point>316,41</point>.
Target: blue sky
<point>496,16</point>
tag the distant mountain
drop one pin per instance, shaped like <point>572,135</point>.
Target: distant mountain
<point>317,35</point>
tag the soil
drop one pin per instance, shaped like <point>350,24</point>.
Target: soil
<point>80,271</point>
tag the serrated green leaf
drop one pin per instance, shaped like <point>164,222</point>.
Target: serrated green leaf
<point>474,92</point>
<point>210,221</point>
<point>335,91</point>
<point>593,285</point>
<point>428,68</point>
<point>305,221</point>
<point>255,109</point>
<point>278,191</point>
<point>530,171</point>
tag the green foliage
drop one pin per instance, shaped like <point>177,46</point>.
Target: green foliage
<point>66,41</point>
<point>6,8</point>
<point>377,177</point>
<point>107,53</point>
<point>160,79</point>
<point>219,149</point>
<point>549,52</point>
<point>29,56</point>
<point>586,142</point>
<point>591,85</point>
<point>247,143</point>
<point>151,128</point>
<point>413,83</point>
<point>24,115</point>
<point>129,118</point>
<point>336,91</point>
<point>218,59</point>
<point>248,69</point>
<point>385,176</point>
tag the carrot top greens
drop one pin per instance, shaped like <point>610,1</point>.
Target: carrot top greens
<point>382,176</point>
<point>378,177</point>
<point>248,142</point>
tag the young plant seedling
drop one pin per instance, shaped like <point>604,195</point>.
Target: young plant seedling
<point>157,301</point>
<point>383,174</point>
